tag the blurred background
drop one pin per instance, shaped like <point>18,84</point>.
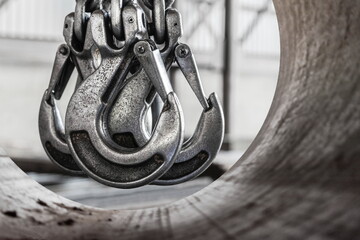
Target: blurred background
<point>235,42</point>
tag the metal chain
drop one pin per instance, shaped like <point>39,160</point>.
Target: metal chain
<point>114,8</point>
<point>150,3</point>
<point>80,19</point>
<point>159,21</point>
<point>83,10</point>
<point>116,18</point>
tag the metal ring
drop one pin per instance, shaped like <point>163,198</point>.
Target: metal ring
<point>159,21</point>
<point>149,3</point>
<point>116,18</point>
<point>80,18</point>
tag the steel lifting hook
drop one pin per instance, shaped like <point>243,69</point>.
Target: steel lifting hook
<point>200,150</point>
<point>51,129</point>
<point>52,133</point>
<point>127,116</point>
<point>86,128</point>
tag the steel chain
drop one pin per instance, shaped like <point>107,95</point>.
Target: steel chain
<point>116,18</point>
<point>159,21</point>
<point>84,8</point>
<point>150,3</point>
<point>80,19</point>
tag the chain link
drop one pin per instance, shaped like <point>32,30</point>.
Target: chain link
<point>150,3</point>
<point>80,19</point>
<point>116,18</point>
<point>114,8</point>
<point>82,11</point>
<point>159,21</point>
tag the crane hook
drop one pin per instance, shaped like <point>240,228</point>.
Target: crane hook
<point>51,128</point>
<point>200,150</point>
<point>127,116</point>
<point>86,128</point>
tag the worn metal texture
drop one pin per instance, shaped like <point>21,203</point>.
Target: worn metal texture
<point>116,19</point>
<point>127,116</point>
<point>299,179</point>
<point>51,128</point>
<point>197,154</point>
<point>200,150</point>
<point>84,54</point>
<point>89,141</point>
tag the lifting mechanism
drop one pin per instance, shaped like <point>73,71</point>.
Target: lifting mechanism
<point>122,51</point>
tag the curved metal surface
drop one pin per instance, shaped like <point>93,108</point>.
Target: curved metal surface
<point>116,19</point>
<point>127,116</point>
<point>52,136</point>
<point>197,154</point>
<point>80,17</point>
<point>51,128</point>
<point>92,149</point>
<point>85,54</point>
<point>298,180</point>
<point>159,21</point>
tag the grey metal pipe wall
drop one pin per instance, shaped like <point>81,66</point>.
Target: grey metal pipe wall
<point>299,179</point>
